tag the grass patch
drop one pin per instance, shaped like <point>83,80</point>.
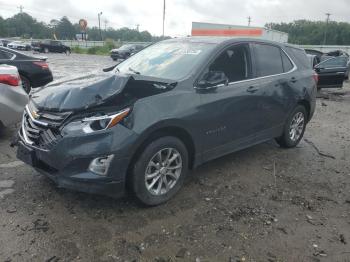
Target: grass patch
<point>96,50</point>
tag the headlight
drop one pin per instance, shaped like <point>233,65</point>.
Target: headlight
<point>98,123</point>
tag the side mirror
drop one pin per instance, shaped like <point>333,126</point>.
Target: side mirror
<point>212,79</point>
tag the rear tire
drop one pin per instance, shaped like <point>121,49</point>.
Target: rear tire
<point>26,84</point>
<point>294,128</point>
<point>160,170</point>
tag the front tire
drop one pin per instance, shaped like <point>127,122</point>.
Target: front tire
<point>294,128</point>
<point>159,171</point>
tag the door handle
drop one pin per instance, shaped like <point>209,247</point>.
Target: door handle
<point>252,89</point>
<point>293,80</point>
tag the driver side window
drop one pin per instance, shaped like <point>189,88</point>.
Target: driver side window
<point>234,62</point>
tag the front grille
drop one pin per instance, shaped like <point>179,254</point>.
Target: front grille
<point>44,131</point>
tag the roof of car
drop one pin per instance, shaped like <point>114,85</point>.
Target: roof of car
<point>224,40</point>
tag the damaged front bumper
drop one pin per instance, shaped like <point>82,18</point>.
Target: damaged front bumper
<point>67,160</point>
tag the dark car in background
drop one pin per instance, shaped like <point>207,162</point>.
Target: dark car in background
<point>34,71</point>
<point>52,46</point>
<point>125,51</point>
<point>333,71</point>
<point>4,42</point>
<point>169,108</point>
<point>332,67</point>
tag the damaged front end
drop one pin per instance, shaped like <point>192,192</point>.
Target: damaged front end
<point>79,133</point>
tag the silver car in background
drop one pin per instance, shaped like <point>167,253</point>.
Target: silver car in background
<point>13,98</point>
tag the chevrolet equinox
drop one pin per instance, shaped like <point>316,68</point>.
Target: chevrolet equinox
<point>165,110</point>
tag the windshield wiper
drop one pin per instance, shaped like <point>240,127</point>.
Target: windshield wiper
<point>134,71</point>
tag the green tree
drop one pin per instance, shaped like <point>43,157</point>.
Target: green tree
<point>65,29</point>
<point>312,32</point>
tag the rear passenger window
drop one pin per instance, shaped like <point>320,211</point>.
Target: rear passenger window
<point>269,60</point>
<point>335,62</point>
<point>287,64</point>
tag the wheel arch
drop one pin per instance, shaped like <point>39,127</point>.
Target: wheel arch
<point>307,106</point>
<point>181,133</point>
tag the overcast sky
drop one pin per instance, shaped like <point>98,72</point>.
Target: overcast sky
<point>179,13</point>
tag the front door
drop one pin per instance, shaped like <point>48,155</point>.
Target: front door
<point>230,116</point>
<point>331,72</point>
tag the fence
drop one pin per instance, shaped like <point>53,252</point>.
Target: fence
<point>88,44</point>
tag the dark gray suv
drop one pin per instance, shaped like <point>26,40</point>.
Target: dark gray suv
<point>165,110</point>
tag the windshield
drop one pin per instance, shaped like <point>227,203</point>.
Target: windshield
<point>167,60</point>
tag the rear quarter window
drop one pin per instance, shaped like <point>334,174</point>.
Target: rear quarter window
<point>299,57</point>
<point>287,64</point>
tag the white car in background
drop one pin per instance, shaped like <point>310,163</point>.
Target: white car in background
<point>13,98</point>
<point>19,45</point>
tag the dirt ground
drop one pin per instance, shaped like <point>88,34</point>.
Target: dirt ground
<point>261,204</point>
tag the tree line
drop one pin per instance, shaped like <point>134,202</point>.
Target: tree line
<point>306,32</point>
<point>25,26</point>
<point>303,32</point>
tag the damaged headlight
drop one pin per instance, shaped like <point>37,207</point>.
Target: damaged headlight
<point>97,123</point>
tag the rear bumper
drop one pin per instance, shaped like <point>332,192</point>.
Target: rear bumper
<point>42,78</point>
<point>116,56</point>
<point>12,103</point>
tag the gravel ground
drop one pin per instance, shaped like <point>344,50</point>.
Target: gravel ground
<point>261,204</point>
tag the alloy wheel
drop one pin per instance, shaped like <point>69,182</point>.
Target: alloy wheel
<point>297,126</point>
<point>163,171</point>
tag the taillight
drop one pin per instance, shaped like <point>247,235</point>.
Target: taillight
<point>315,76</point>
<point>42,64</point>
<point>10,79</point>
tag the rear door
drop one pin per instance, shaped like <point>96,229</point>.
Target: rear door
<point>274,72</point>
<point>332,72</point>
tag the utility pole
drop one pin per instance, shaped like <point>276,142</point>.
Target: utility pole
<point>249,20</point>
<point>99,24</point>
<point>106,22</point>
<point>326,29</point>
<point>20,8</point>
<point>137,27</point>
<point>163,16</point>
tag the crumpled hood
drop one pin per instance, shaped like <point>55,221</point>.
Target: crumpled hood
<point>88,91</point>
<point>79,93</point>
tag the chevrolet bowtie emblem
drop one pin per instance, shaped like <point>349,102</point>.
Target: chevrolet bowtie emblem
<point>35,115</point>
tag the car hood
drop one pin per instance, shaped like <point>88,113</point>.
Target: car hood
<point>85,92</point>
